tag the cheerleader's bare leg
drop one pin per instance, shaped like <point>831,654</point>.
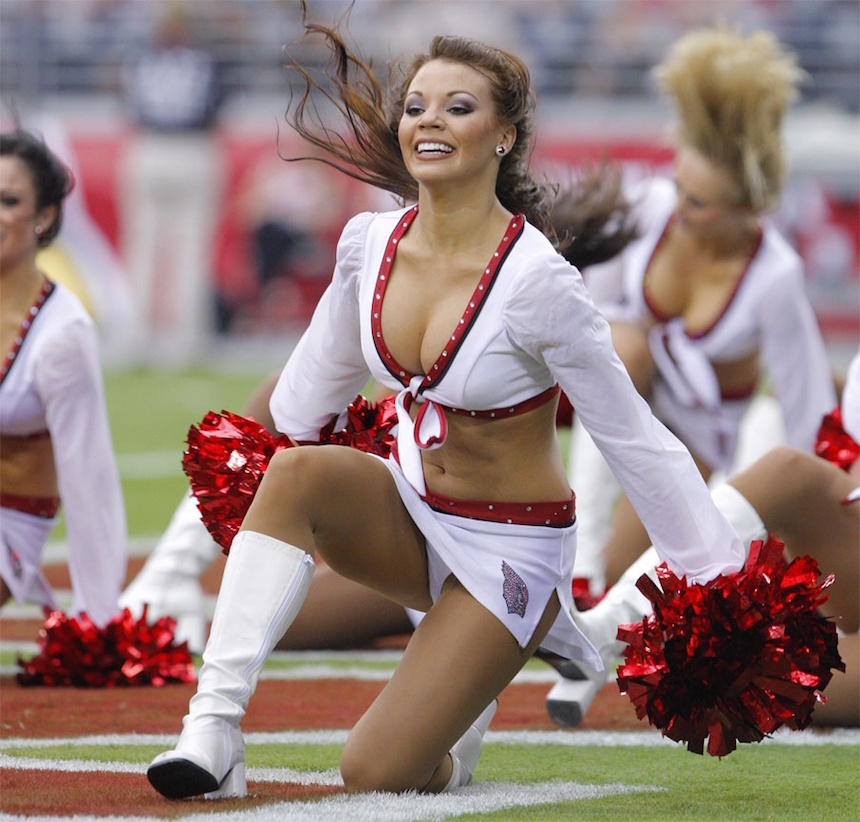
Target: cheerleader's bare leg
<point>343,504</point>
<point>598,492</point>
<point>340,613</point>
<point>459,659</point>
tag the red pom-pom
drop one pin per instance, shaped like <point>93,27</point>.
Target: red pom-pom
<point>226,458</point>
<point>127,651</point>
<point>368,427</point>
<point>228,454</point>
<point>734,659</point>
<point>583,599</point>
<point>834,443</point>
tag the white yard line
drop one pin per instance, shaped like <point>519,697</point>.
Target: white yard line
<point>481,797</point>
<point>377,666</point>
<point>646,738</point>
<point>147,465</point>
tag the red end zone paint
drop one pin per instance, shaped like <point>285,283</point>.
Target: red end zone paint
<point>111,795</point>
<point>279,705</point>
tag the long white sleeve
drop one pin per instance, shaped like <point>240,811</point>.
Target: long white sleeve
<point>327,368</point>
<point>557,321</point>
<point>796,359</point>
<point>69,380</point>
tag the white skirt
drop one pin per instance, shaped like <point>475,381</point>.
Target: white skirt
<point>511,569</point>
<point>22,541</point>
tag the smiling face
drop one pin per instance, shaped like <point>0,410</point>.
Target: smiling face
<point>449,128</point>
<point>19,217</point>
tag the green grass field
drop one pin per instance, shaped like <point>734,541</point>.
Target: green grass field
<point>150,412</point>
<point>757,782</point>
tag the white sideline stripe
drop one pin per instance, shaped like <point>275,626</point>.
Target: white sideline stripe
<point>146,465</point>
<point>330,777</point>
<point>481,797</point>
<point>390,655</point>
<point>646,738</point>
<point>380,674</point>
<point>18,647</point>
<point>57,552</point>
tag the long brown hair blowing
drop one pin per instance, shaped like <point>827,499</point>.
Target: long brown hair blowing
<point>592,215</point>
<point>369,150</point>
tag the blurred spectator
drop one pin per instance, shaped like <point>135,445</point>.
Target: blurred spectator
<point>291,215</point>
<point>288,218</point>
<point>171,188</point>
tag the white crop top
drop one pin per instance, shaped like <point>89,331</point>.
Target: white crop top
<point>769,313</point>
<point>54,384</point>
<point>533,324</point>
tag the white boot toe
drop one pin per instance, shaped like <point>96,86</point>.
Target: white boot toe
<point>208,761</point>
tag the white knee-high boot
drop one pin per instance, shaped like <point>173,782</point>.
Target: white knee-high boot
<point>169,582</point>
<point>624,604</point>
<point>467,749</point>
<point>597,493</point>
<point>264,585</point>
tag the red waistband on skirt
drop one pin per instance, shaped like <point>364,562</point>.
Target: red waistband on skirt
<point>742,393</point>
<point>45,507</point>
<point>556,514</point>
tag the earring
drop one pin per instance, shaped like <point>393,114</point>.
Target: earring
<point>501,150</point>
<point>40,230</point>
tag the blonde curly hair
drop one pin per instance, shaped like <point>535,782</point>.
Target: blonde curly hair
<point>730,93</point>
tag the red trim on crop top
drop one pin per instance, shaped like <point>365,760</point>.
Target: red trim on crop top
<point>555,514</point>
<point>492,413</point>
<point>738,393</point>
<point>44,292</point>
<point>436,371</point>
<point>45,507</point>
<point>662,317</point>
<point>508,410</point>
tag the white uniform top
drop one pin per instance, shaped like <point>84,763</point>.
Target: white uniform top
<point>55,384</point>
<point>769,313</point>
<point>531,323</point>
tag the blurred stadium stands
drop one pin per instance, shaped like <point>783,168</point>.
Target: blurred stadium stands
<point>590,60</point>
<point>574,47</point>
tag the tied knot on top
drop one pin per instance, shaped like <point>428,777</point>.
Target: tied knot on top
<point>734,659</point>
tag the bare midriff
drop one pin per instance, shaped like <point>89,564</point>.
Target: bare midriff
<point>508,460</point>
<point>27,467</point>
<point>737,378</point>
